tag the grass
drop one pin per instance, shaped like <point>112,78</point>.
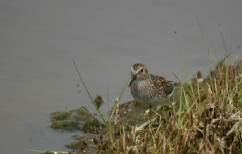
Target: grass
<point>206,119</point>
<point>204,116</point>
<point>79,119</point>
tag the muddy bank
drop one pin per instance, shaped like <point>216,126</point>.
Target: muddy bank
<point>204,115</point>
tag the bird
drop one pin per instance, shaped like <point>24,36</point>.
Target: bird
<point>148,88</point>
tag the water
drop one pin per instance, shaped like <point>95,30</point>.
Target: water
<point>39,39</point>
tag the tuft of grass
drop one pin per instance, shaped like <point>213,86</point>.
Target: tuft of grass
<point>208,118</point>
<point>204,116</point>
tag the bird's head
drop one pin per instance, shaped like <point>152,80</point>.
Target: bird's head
<point>138,72</point>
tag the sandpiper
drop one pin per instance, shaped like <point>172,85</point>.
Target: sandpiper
<point>148,88</point>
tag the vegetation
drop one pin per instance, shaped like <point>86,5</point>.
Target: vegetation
<point>204,116</point>
<point>79,119</point>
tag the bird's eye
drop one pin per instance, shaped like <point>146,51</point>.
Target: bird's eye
<point>142,70</point>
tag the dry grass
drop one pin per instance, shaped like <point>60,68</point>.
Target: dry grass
<point>206,118</point>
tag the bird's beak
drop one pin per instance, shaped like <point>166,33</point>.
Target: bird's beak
<point>133,77</point>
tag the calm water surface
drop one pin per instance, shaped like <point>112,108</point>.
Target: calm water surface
<point>39,39</point>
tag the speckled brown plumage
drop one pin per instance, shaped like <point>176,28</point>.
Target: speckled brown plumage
<point>163,86</point>
<point>149,88</point>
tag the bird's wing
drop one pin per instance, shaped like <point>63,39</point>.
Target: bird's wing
<point>163,86</point>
